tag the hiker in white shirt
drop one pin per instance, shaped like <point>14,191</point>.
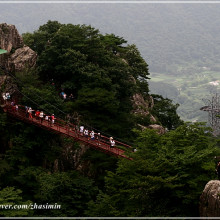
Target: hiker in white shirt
<point>81,130</point>
<point>86,133</point>
<point>92,135</point>
<point>112,142</point>
<point>41,116</point>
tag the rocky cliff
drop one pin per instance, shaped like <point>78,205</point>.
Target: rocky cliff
<point>8,85</point>
<point>142,108</point>
<point>19,56</point>
<point>210,200</point>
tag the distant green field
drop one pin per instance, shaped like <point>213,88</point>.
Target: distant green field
<point>188,91</point>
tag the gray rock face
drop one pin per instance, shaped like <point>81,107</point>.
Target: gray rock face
<point>140,105</point>
<point>210,200</point>
<point>19,56</point>
<point>22,58</point>
<point>159,129</point>
<point>9,37</point>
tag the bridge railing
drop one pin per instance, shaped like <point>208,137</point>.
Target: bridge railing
<point>62,124</point>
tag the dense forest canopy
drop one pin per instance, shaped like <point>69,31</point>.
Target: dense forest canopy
<point>168,172</point>
<point>165,178</point>
<point>99,70</point>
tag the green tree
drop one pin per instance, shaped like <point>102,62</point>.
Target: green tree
<point>68,189</point>
<point>43,97</point>
<point>100,70</point>
<point>165,178</point>
<point>40,39</point>
<point>10,196</point>
<point>138,68</point>
<point>166,113</point>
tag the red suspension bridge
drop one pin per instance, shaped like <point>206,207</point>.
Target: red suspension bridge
<point>68,129</point>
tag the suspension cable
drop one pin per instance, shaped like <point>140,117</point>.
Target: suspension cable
<point>19,81</point>
<point>39,96</point>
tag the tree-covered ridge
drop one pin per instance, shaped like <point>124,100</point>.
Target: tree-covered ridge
<point>177,41</point>
<point>165,178</point>
<point>103,73</point>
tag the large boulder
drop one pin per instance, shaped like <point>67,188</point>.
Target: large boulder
<point>159,129</point>
<point>9,37</point>
<point>22,58</point>
<point>210,200</point>
<point>19,56</point>
<point>140,105</point>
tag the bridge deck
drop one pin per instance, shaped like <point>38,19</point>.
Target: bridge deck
<point>61,127</point>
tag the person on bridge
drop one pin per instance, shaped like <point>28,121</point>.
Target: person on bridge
<point>7,94</point>
<point>81,130</point>
<point>112,143</point>
<point>52,119</point>
<point>4,98</point>
<point>41,116</point>
<point>86,133</point>
<point>46,117</point>
<point>98,138</point>
<point>37,114</point>
<point>30,112</point>
<point>92,135</point>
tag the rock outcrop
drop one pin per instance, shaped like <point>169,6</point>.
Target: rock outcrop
<point>8,85</point>
<point>159,129</point>
<point>22,58</point>
<point>210,200</point>
<point>70,157</point>
<point>19,56</point>
<point>140,105</point>
<point>9,37</point>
